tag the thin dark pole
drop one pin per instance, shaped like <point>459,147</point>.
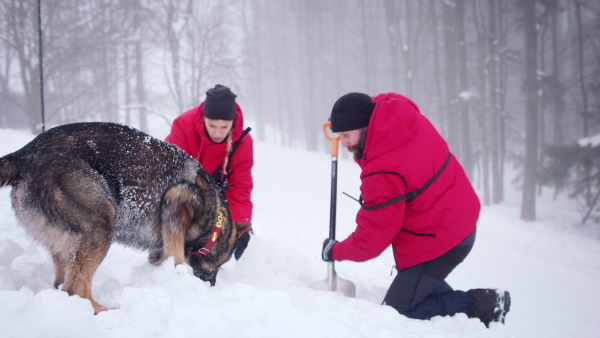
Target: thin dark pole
<point>41,68</point>
<point>333,202</point>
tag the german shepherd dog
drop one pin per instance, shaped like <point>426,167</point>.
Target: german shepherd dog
<point>78,187</point>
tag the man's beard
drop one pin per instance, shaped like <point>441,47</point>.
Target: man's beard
<point>357,151</point>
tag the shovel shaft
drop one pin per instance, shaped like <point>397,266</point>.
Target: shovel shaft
<point>333,282</point>
<point>333,202</point>
<point>334,166</point>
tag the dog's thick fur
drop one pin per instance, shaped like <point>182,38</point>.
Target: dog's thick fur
<point>79,187</point>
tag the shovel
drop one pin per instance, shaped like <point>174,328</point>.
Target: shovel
<point>333,282</point>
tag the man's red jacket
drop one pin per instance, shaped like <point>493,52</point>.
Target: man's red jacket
<point>188,133</point>
<point>401,140</point>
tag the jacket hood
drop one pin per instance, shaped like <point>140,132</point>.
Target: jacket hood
<point>392,124</point>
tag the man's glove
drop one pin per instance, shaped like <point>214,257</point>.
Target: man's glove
<point>327,254</point>
<point>241,244</point>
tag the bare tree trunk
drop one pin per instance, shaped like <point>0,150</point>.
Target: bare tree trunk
<point>481,103</point>
<point>392,16</point>
<point>21,37</point>
<point>337,38</point>
<point>5,86</point>
<point>463,79</point>
<point>366,54</point>
<point>503,34</point>
<point>495,114</point>
<point>257,49</point>
<point>558,105</point>
<point>586,114</point>
<point>531,114</point>
<point>437,73</point>
<point>102,68</point>
<point>283,76</point>
<point>451,97</point>
<point>309,19</point>
<point>580,69</point>
<point>141,92</point>
<point>173,41</point>
<point>127,85</point>
<point>407,46</point>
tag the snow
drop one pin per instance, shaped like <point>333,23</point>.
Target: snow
<point>550,268</point>
<point>466,95</point>
<point>592,141</point>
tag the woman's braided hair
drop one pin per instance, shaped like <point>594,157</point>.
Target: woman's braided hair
<point>228,150</point>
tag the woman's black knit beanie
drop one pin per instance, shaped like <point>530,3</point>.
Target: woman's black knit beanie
<point>219,104</point>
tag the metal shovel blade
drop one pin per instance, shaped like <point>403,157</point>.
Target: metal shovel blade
<point>335,283</point>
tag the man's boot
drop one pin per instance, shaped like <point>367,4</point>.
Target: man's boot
<point>489,305</point>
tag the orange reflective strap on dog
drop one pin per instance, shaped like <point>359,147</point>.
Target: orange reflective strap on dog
<point>213,237</point>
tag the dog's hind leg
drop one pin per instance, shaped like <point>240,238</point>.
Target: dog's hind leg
<point>87,233</point>
<point>81,269</point>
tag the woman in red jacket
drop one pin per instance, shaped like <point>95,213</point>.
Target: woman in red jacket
<point>416,197</point>
<point>213,134</point>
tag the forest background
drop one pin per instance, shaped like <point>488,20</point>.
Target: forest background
<point>513,85</point>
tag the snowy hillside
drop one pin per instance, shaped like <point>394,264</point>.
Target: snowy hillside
<point>551,272</point>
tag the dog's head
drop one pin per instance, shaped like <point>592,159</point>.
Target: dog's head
<point>205,263</point>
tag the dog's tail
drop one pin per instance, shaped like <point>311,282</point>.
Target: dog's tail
<point>9,171</point>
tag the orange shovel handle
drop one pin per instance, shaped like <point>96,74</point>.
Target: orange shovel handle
<point>334,140</point>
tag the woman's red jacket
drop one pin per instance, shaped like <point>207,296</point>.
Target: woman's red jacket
<point>188,133</point>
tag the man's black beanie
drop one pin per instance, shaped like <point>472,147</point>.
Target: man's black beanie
<point>351,111</point>
<point>219,104</point>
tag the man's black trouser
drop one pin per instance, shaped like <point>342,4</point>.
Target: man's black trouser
<point>420,291</point>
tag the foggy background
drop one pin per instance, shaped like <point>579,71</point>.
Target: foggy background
<point>512,85</point>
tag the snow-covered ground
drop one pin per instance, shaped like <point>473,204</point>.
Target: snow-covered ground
<point>551,270</point>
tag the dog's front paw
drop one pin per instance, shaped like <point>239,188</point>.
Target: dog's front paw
<point>155,257</point>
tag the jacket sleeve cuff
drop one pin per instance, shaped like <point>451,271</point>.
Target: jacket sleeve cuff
<point>336,252</point>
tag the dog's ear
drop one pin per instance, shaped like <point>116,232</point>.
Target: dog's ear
<point>240,228</point>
